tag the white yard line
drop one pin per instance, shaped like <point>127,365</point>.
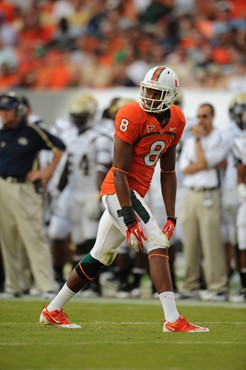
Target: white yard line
<point>128,342</point>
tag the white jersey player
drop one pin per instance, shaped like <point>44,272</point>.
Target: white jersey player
<point>59,226</point>
<point>239,152</point>
<point>229,196</point>
<point>89,158</point>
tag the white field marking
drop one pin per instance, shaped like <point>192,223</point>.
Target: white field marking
<point>129,342</point>
<point>158,322</point>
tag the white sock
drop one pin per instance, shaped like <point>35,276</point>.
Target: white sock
<point>169,306</point>
<point>61,298</point>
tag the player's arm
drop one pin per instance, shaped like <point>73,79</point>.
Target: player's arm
<point>46,173</point>
<point>169,188</point>
<point>45,140</point>
<point>241,176</point>
<point>122,165</point>
<point>63,180</point>
<point>201,162</point>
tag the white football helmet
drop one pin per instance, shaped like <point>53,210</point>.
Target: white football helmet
<point>158,90</point>
<point>119,103</point>
<point>83,110</point>
<point>237,110</point>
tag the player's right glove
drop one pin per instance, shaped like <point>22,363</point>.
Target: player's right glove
<point>135,237</point>
<point>134,233</point>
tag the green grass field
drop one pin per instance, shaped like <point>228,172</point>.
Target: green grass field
<point>120,335</point>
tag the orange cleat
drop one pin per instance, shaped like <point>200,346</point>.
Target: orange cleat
<point>182,325</point>
<point>57,318</point>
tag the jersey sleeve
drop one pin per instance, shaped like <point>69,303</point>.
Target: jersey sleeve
<point>181,121</point>
<point>47,140</point>
<point>126,127</point>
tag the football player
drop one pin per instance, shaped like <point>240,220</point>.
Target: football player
<point>144,133</point>
<point>239,151</point>
<point>59,226</point>
<point>89,157</point>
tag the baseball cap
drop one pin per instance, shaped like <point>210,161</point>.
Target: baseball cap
<point>8,101</point>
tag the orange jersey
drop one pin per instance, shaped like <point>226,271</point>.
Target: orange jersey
<point>149,140</point>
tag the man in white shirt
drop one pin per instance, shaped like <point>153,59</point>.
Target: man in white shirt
<point>239,152</point>
<point>201,158</point>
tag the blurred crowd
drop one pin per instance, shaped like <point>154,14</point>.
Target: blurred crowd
<point>55,44</point>
<point>206,233</point>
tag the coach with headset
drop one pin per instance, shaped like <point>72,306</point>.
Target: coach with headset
<point>21,203</point>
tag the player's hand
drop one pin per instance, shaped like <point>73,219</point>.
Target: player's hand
<point>135,237</point>
<point>169,227</point>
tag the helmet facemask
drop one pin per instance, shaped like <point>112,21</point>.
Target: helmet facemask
<point>154,99</point>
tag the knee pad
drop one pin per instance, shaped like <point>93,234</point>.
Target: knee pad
<point>156,240</point>
<point>88,267</point>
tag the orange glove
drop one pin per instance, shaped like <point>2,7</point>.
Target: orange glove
<point>169,227</point>
<point>135,237</point>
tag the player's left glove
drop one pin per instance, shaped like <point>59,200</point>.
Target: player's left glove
<point>169,227</point>
<point>134,233</point>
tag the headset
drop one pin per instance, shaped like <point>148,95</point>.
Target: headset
<point>10,100</point>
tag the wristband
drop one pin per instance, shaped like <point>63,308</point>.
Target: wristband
<point>127,212</point>
<point>173,219</point>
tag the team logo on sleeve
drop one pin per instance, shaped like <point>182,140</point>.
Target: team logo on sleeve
<point>2,144</point>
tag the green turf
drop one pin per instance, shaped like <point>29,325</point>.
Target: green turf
<point>120,336</point>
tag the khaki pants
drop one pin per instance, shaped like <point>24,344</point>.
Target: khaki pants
<point>22,227</point>
<point>203,245</point>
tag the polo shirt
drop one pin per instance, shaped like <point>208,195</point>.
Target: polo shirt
<point>19,148</point>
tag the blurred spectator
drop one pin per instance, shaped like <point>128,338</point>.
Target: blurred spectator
<point>204,39</point>
<point>63,8</point>
<point>64,38</point>
<point>8,9</point>
<point>8,33</point>
<point>8,56</point>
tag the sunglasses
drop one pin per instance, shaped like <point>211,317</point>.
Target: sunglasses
<point>202,116</point>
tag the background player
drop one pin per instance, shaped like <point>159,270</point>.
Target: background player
<point>239,151</point>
